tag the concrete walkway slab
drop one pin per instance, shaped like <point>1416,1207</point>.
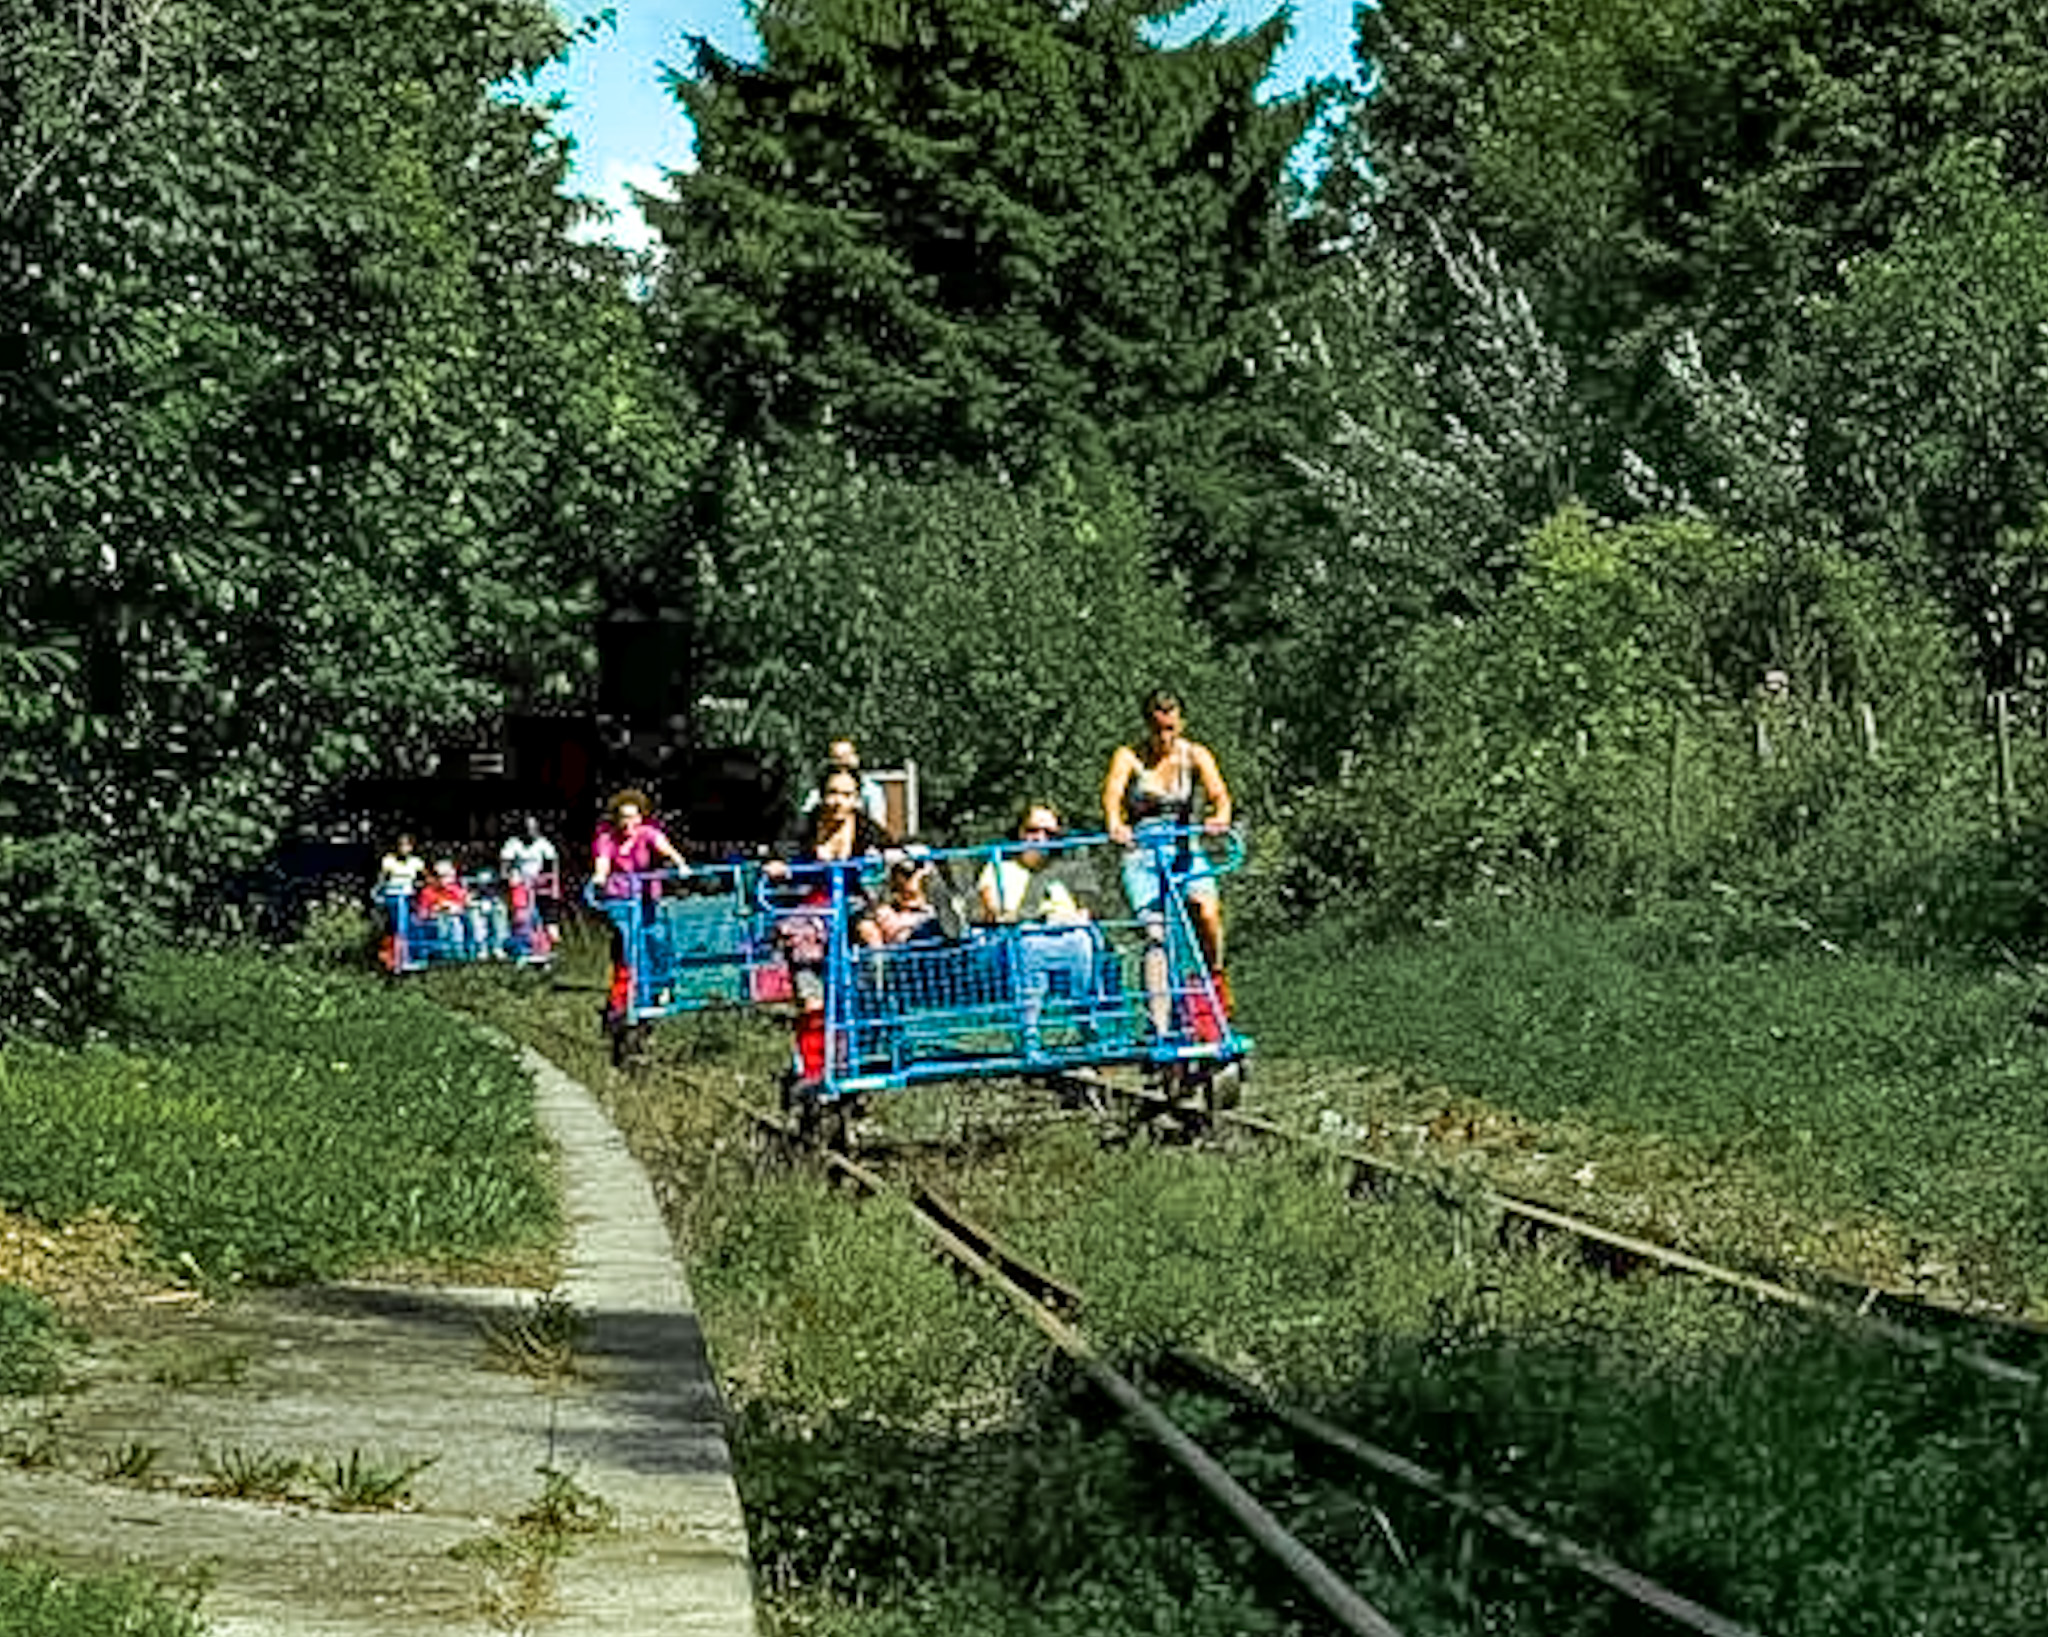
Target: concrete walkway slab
<point>396,1375</point>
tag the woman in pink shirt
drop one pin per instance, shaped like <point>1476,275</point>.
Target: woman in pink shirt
<point>628,844</point>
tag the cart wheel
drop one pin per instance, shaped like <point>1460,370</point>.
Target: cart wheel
<point>821,1126</point>
<point>629,1045</point>
<point>1226,1087</point>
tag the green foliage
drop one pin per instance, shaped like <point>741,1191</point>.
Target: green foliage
<point>1601,730</point>
<point>39,1601</point>
<point>272,509</point>
<point>1430,454</point>
<point>31,1343</point>
<point>908,1466</point>
<point>64,939</point>
<point>827,1307</point>
<point>364,1483</point>
<point>999,634</point>
<point>274,1123</point>
<point>1663,166</point>
<point>564,1507</point>
<point>1848,1083</point>
<point>538,1341</point>
<point>253,1475</point>
<point>1002,235</point>
<point>982,228</point>
<point>337,932</point>
<point>1937,405</point>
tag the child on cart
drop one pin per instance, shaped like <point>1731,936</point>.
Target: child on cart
<point>443,903</point>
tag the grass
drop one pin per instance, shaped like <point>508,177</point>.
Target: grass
<point>268,1122</point>
<point>130,1462</point>
<point>31,1344</point>
<point>1805,1104</point>
<point>518,1562</point>
<point>913,1464</point>
<point>39,1602</point>
<point>252,1475</point>
<point>539,1340</point>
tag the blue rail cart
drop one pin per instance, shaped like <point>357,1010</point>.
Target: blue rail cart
<point>692,941</point>
<point>1041,995</point>
<point>489,929</point>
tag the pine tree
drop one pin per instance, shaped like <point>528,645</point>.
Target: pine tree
<point>985,231</point>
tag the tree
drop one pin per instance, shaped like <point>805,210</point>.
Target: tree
<point>1001,635</point>
<point>986,231</point>
<point>318,427</point>
<point>1932,368</point>
<point>1432,465</point>
<point>1660,168</point>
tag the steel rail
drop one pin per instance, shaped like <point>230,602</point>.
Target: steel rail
<point>1900,1335</point>
<point>1316,1577</point>
<point>1863,1292</point>
<point>1639,1588</point>
<point>1649,1250</point>
<point>994,1262</point>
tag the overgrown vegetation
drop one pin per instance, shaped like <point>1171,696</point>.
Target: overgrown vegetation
<point>1596,523</point>
<point>31,1343</point>
<point>267,1122</point>
<point>1791,1097</point>
<point>273,512</point>
<point>39,1602</point>
<point>911,1461</point>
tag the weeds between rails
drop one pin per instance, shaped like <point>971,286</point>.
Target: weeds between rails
<point>909,1465</point>
<point>1051,1305</point>
<point>1620,1253</point>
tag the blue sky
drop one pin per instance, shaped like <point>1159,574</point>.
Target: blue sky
<point>628,132</point>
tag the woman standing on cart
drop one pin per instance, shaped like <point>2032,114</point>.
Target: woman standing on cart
<point>837,831</point>
<point>628,844</point>
<point>1148,801</point>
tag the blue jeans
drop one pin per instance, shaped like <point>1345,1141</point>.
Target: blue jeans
<point>1045,954</point>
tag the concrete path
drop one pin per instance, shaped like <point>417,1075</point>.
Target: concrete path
<point>392,1376</point>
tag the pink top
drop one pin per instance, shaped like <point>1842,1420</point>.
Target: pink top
<point>636,855</point>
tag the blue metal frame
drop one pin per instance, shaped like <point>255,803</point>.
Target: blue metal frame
<point>418,942</point>
<point>693,941</point>
<point>1020,999</point>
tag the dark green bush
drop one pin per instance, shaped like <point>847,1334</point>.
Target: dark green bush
<point>65,937</point>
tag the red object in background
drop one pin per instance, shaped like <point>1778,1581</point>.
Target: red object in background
<point>441,897</point>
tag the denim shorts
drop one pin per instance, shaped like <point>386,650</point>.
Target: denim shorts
<point>1184,861</point>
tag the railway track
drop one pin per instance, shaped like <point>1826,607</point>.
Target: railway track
<point>1053,1307</point>
<point>1960,1337</point>
<point>1871,1310</point>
